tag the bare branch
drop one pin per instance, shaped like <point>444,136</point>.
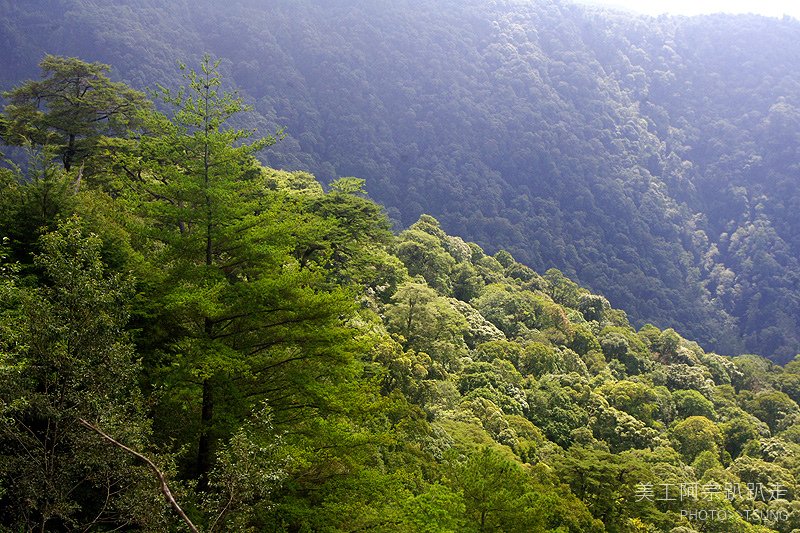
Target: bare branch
<point>159,474</point>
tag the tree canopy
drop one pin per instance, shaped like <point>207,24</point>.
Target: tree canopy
<point>70,109</point>
<point>281,361</point>
<point>651,159</point>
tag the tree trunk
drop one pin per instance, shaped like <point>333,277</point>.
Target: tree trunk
<point>204,448</point>
<point>69,153</point>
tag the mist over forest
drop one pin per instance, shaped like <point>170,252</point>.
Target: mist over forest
<point>653,160</point>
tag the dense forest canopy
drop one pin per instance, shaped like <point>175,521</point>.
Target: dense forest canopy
<point>191,340</point>
<point>654,160</point>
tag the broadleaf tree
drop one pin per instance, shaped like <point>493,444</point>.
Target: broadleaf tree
<point>65,356</point>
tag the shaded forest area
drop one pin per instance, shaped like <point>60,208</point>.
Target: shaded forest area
<point>653,160</point>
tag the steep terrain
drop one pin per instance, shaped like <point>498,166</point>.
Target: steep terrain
<point>284,362</point>
<point>653,160</point>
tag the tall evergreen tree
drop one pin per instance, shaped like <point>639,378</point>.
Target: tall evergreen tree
<point>232,303</point>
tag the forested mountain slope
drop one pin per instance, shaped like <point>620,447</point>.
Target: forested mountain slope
<point>654,160</point>
<point>283,361</point>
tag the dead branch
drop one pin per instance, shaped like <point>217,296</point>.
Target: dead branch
<point>159,474</point>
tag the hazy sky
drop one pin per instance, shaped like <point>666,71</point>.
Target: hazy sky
<point>772,8</point>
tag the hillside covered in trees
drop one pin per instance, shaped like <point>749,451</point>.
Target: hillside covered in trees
<point>284,362</point>
<point>653,160</point>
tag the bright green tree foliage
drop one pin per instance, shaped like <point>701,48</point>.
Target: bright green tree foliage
<point>607,483</point>
<point>499,495</point>
<point>696,434</point>
<point>247,320</point>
